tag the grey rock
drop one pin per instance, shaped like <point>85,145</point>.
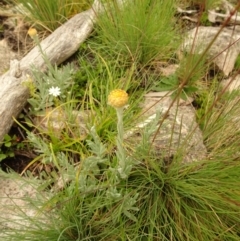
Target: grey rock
<point>15,196</point>
<point>223,52</point>
<point>179,134</point>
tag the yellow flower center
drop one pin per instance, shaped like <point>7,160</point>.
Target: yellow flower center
<point>118,98</point>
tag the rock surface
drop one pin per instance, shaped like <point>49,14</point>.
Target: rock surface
<point>232,83</point>
<point>179,134</point>
<point>223,51</point>
<point>15,199</point>
<point>57,120</point>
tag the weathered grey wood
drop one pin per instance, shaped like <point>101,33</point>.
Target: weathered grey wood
<point>58,46</point>
<point>13,96</point>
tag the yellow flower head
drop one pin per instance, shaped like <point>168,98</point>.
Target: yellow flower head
<point>118,98</point>
<point>32,32</point>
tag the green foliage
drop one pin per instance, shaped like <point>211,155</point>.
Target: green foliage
<point>48,88</point>
<point>90,86</point>
<point>220,125</point>
<point>158,200</point>
<point>95,71</point>
<point>169,83</point>
<point>204,19</point>
<point>187,78</point>
<point>204,102</point>
<point>237,63</point>
<point>172,84</point>
<point>138,31</point>
<point>57,78</point>
<point>192,69</point>
<point>95,78</point>
<point>1,29</point>
<point>176,208</point>
<point>49,15</point>
<point>9,145</point>
<point>155,199</point>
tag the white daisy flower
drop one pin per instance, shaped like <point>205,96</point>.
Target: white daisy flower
<point>55,91</point>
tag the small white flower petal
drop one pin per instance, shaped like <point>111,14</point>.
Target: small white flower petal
<point>55,91</point>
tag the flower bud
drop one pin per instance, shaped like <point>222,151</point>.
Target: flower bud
<point>118,98</point>
<point>32,32</point>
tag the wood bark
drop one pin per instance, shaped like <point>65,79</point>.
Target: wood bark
<point>58,46</point>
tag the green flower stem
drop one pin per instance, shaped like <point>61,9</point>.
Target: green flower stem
<point>121,155</point>
<point>44,56</point>
<point>120,123</point>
